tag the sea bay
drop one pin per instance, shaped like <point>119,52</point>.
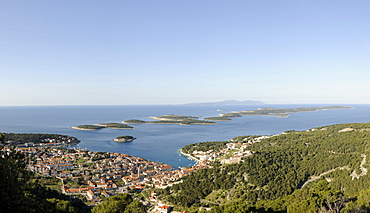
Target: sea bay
<point>161,142</point>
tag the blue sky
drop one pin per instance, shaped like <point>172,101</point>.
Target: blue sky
<point>91,52</point>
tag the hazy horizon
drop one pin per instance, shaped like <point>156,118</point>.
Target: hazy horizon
<point>187,104</point>
<point>177,52</point>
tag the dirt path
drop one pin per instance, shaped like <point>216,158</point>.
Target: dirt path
<point>315,178</point>
<point>353,175</point>
<point>210,202</point>
<point>362,168</point>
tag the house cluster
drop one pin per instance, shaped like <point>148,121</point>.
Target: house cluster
<point>233,152</point>
<point>100,174</point>
<point>95,174</point>
<point>159,207</point>
<point>162,208</point>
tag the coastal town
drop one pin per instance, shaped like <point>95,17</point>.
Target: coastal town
<point>96,175</point>
<point>99,174</point>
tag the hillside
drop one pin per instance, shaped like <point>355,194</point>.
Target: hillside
<point>299,171</point>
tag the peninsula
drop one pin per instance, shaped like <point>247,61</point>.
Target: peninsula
<point>37,140</point>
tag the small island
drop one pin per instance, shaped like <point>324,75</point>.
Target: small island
<point>172,119</point>
<point>94,127</point>
<point>87,127</point>
<point>115,126</point>
<point>125,138</point>
<point>182,122</point>
<point>186,120</point>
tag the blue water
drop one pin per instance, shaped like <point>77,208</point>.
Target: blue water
<point>161,142</point>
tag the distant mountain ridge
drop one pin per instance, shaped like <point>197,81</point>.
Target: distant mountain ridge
<point>229,102</point>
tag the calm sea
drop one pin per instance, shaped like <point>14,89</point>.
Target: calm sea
<point>158,142</point>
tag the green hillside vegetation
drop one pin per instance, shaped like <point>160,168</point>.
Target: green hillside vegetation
<point>120,203</point>
<point>204,146</point>
<point>274,177</point>
<point>243,138</point>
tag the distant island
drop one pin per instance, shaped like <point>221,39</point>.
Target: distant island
<point>172,119</point>
<point>279,112</point>
<point>94,127</point>
<point>224,118</point>
<point>115,126</point>
<point>183,122</point>
<point>187,120</point>
<point>87,127</point>
<point>228,102</point>
<point>125,138</point>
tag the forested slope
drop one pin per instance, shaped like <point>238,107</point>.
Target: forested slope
<point>333,157</point>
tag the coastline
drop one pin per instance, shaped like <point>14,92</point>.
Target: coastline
<point>63,115</point>
<point>188,156</point>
